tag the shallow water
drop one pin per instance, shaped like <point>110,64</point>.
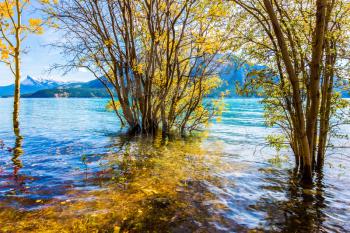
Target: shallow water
<point>79,173</point>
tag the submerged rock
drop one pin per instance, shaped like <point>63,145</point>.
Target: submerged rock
<point>161,202</point>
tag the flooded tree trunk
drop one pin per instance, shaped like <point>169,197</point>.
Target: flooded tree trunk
<point>150,127</point>
<point>297,100</point>
<point>325,110</point>
<point>17,92</point>
<point>327,89</point>
<point>16,100</point>
<point>295,147</point>
<point>324,127</point>
<point>165,127</point>
<point>315,75</point>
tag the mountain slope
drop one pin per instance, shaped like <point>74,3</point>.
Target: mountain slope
<point>91,89</point>
<point>77,92</point>
<point>29,85</point>
<point>31,88</point>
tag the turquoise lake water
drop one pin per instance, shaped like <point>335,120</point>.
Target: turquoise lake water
<point>60,134</point>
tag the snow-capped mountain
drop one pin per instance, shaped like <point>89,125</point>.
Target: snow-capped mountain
<point>29,85</point>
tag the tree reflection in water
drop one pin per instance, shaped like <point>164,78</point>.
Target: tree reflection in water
<point>154,185</point>
<point>302,210</point>
<point>17,151</point>
<point>144,184</point>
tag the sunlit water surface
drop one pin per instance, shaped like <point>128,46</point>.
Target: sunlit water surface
<point>80,173</point>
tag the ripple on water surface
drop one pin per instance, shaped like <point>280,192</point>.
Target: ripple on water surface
<point>79,173</point>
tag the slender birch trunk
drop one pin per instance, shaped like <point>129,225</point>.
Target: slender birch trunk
<point>17,94</point>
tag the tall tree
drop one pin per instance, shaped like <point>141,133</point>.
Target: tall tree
<point>13,31</point>
<point>297,43</point>
<point>157,59</point>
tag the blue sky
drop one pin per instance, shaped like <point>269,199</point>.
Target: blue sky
<point>39,58</point>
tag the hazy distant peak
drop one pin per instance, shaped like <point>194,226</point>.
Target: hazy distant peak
<point>29,81</point>
<point>30,85</point>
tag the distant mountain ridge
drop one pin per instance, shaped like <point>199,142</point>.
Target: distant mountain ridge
<point>28,86</point>
<point>91,89</point>
<point>33,88</point>
<point>69,93</point>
